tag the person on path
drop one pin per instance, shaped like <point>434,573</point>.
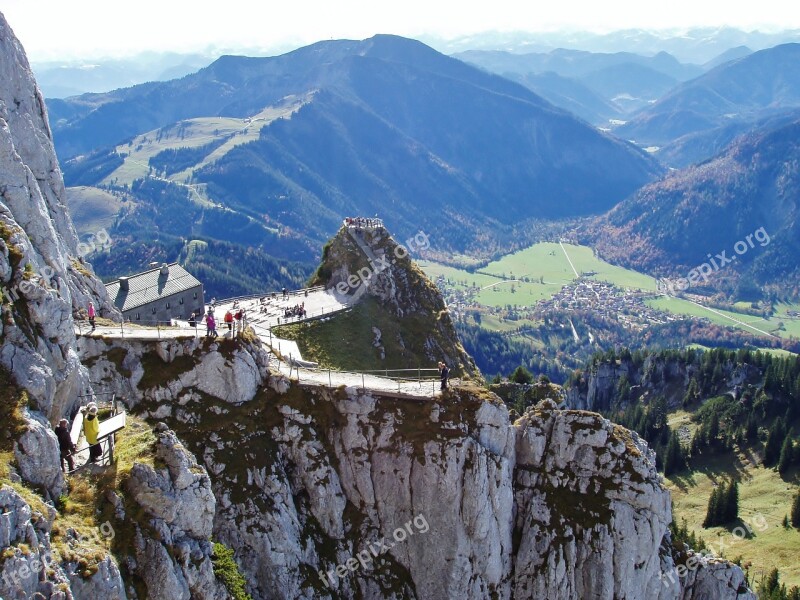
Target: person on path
<point>229,320</point>
<point>91,429</point>
<point>92,315</point>
<point>193,321</point>
<point>443,374</point>
<point>65,445</point>
<point>211,325</point>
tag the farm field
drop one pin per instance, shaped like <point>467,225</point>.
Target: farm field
<point>539,272</point>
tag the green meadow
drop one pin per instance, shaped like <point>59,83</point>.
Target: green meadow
<point>764,499</point>
<point>193,133</point>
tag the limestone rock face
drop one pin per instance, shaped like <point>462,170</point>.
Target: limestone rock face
<point>230,371</point>
<point>340,493</point>
<point>38,457</point>
<point>173,551</point>
<point>35,572</point>
<point>42,279</point>
<point>710,578</point>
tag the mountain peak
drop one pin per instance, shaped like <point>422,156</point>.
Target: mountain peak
<point>396,311</point>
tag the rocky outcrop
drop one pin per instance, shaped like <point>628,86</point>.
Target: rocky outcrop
<point>654,375</point>
<point>37,455</point>
<point>43,279</point>
<point>173,551</point>
<point>348,494</point>
<point>31,569</point>
<point>706,577</point>
<point>367,263</point>
<point>163,372</point>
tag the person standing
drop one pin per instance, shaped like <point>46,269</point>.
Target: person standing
<point>229,320</point>
<point>211,325</point>
<point>65,445</point>
<point>91,429</point>
<point>443,374</point>
<point>193,321</point>
<point>92,315</point>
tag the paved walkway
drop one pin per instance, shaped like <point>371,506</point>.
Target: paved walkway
<point>427,387</point>
<point>265,312</point>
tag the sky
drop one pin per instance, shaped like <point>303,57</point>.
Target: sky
<point>81,29</point>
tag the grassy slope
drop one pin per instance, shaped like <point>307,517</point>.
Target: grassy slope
<point>345,342</point>
<point>193,133</point>
<point>764,500</point>
<point>92,209</point>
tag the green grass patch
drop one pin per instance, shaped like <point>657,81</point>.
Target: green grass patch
<point>158,373</point>
<point>764,499</point>
<point>92,209</point>
<point>12,402</point>
<point>346,341</point>
<point>516,293</point>
<point>720,317</point>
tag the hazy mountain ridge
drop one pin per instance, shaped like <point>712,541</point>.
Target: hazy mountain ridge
<point>744,89</point>
<point>695,45</point>
<point>386,125</point>
<point>687,218</point>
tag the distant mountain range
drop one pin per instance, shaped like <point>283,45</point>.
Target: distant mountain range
<point>706,47</point>
<point>693,216</point>
<point>281,149</point>
<point>72,78</point>
<point>697,45</point>
<point>758,85</point>
<point>623,81</point>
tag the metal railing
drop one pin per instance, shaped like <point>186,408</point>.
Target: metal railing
<point>335,377</point>
<point>110,438</point>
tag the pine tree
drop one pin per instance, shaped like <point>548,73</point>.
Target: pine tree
<point>674,456</point>
<point>769,584</point>
<point>692,393</point>
<point>772,450</point>
<point>730,510</point>
<point>698,442</point>
<point>521,375</point>
<point>713,430</point>
<point>795,518</point>
<point>787,454</point>
<point>712,511</point>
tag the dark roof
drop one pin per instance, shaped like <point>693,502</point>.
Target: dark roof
<point>149,286</point>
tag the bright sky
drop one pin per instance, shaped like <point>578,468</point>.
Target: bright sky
<point>59,29</point>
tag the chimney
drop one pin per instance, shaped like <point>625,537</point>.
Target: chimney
<point>123,283</point>
<point>164,269</point>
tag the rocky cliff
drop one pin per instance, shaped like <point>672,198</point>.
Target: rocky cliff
<point>42,276</point>
<point>344,493</point>
<point>646,376</point>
